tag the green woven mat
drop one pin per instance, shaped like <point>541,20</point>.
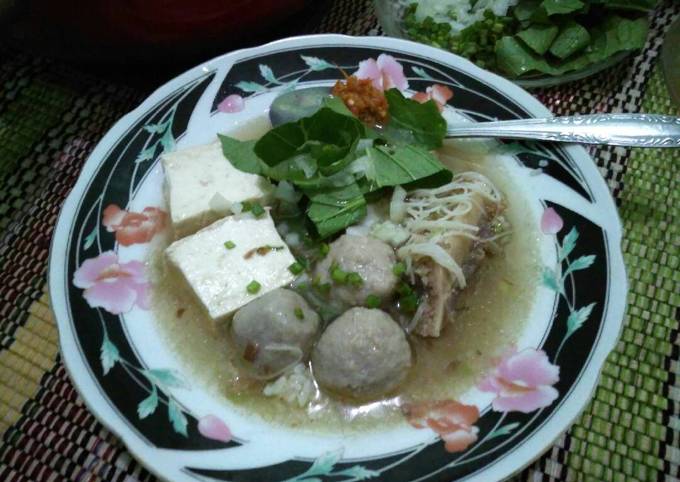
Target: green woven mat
<point>626,433</point>
<point>51,117</point>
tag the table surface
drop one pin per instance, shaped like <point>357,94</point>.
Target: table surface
<point>52,116</point>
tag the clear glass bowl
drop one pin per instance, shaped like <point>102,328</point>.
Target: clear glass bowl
<point>391,12</point>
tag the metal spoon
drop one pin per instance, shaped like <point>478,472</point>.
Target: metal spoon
<point>632,130</point>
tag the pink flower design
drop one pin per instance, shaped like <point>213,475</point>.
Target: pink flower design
<point>522,381</point>
<point>386,73</point>
<point>451,420</point>
<point>214,428</point>
<point>116,287</point>
<point>440,94</point>
<point>551,222</point>
<point>231,104</point>
<point>131,227</point>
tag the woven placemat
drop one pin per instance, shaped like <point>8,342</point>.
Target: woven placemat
<point>51,117</point>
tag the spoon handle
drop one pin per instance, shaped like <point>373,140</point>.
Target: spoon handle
<point>633,130</point>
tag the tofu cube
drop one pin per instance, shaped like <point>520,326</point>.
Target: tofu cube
<point>194,176</point>
<point>219,273</point>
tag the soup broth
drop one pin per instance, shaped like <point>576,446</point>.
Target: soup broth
<point>490,316</point>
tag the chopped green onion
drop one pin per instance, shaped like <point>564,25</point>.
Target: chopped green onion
<point>408,303</point>
<point>324,288</point>
<point>257,210</point>
<point>337,274</point>
<point>229,245</point>
<point>246,206</point>
<point>296,268</point>
<point>355,279</point>
<point>404,289</point>
<point>372,301</point>
<point>399,268</point>
<point>253,287</point>
<point>324,249</point>
<point>299,314</point>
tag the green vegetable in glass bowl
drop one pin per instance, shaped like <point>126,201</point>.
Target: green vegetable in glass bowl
<point>535,42</point>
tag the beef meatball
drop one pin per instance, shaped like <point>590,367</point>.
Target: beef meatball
<point>362,354</point>
<point>370,258</point>
<point>274,332</point>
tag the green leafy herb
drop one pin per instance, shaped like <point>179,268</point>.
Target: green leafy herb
<point>299,314</point>
<point>337,164</point>
<point>394,166</point>
<point>539,38</point>
<point>399,268</point>
<point>334,210</point>
<point>571,39</point>
<point>253,287</point>
<point>422,121</point>
<point>241,154</point>
<point>549,37</point>
<point>373,301</point>
<point>517,59</point>
<point>229,245</point>
<point>615,34</point>
<point>327,135</point>
<point>553,7</point>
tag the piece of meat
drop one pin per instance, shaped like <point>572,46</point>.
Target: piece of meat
<point>441,289</point>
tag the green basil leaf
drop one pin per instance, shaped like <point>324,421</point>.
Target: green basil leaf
<point>422,122</point>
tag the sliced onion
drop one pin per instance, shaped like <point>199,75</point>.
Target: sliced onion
<point>397,205</point>
<point>286,192</point>
<point>293,239</point>
<point>438,255</point>
<point>219,205</point>
<point>236,208</point>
